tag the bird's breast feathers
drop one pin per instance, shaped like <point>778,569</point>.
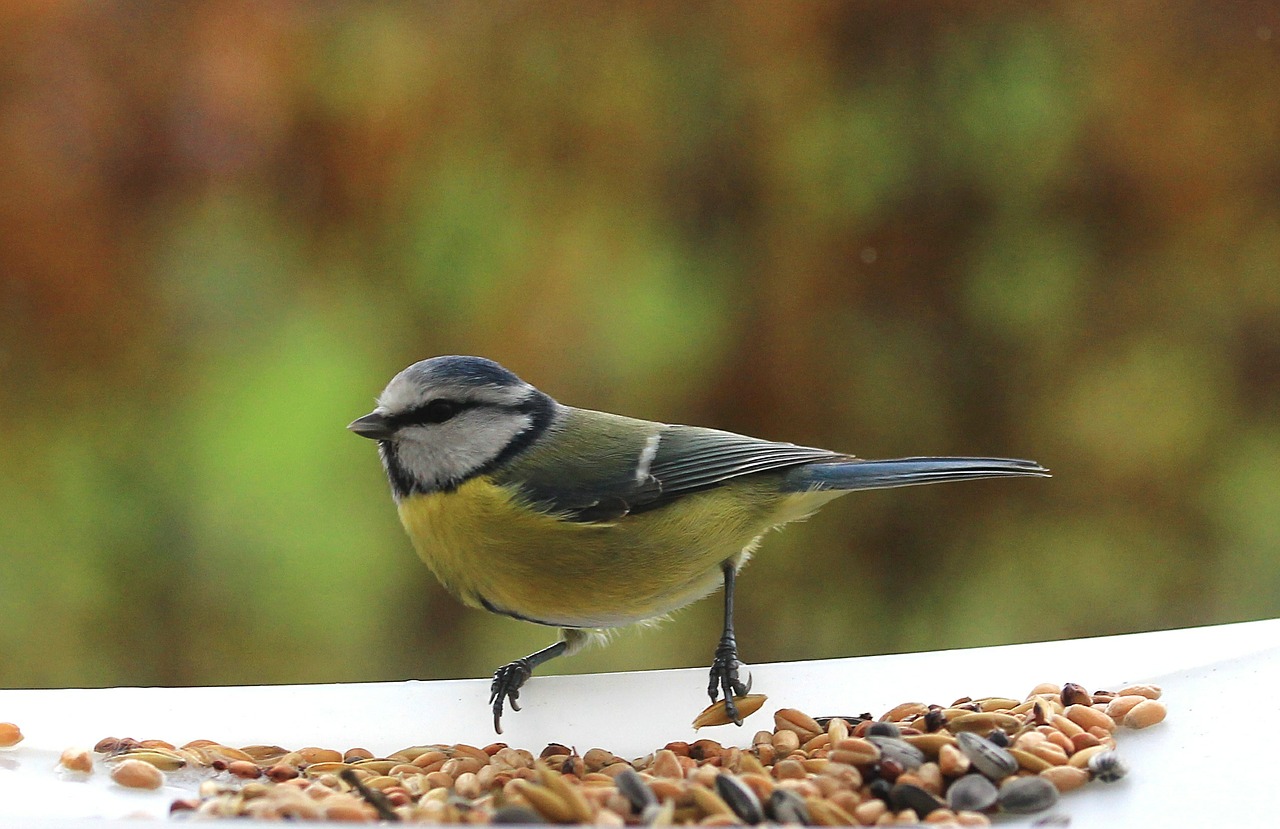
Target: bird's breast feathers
<point>489,548</point>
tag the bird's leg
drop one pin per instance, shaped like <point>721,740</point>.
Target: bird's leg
<point>724,668</point>
<point>508,679</point>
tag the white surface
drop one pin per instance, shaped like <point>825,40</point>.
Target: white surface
<point>1219,686</point>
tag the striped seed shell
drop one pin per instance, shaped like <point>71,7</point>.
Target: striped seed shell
<point>1026,795</point>
<point>973,792</point>
<point>987,757</point>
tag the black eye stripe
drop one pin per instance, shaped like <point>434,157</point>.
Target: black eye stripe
<point>434,411</point>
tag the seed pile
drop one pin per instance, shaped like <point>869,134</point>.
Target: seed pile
<point>955,764</point>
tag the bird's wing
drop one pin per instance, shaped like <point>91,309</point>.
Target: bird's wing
<point>689,458</point>
<point>603,467</point>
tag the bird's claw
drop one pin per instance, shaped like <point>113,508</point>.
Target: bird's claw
<point>507,682</point>
<point>725,680</point>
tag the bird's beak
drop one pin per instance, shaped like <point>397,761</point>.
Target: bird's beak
<point>373,426</point>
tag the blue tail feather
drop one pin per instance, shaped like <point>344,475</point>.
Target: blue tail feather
<point>858,474</point>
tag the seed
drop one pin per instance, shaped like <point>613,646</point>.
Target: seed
<point>348,810</point>
<point>1065,778</point>
<point>785,742</point>
<point>569,794</point>
<point>898,750</point>
<point>1082,757</point>
<point>161,759</point>
<point>517,814</point>
<point>1050,753</point>
<point>428,761</point>
<point>943,816</point>
<point>259,754</point>
<point>870,812</point>
<point>136,774</point>
<point>460,765</point>
<point>635,790</point>
<point>317,769</point>
<point>10,734</point>
<point>107,745</point>
<point>1087,717</point>
<point>883,729</point>
<point>666,764</point>
<point>545,802</point>
<point>854,751</point>
<point>1119,706</point>
<point>478,754</point>
<point>749,764</point>
<point>904,711</point>
<point>996,703</point>
<point>244,769</point>
<point>1073,694</point>
<point>1144,714</point>
<point>1062,741</point>
<point>787,807</point>
<point>815,765</point>
<point>77,759</point>
<point>826,813</point>
<point>1031,762</point>
<point>281,772</point>
<point>789,719</point>
<point>741,799</point>
<point>987,757</point>
<point>789,770</point>
<point>908,796</point>
<point>1065,725</point>
<point>1024,795</point>
<point>717,713</point>
<point>838,729</point>
<point>1045,688</point>
<point>973,792</point>
<point>1148,691</point>
<point>952,761</point>
<point>930,744</point>
<point>312,754</point>
<point>983,722</point>
<point>929,776</point>
<point>1107,766</point>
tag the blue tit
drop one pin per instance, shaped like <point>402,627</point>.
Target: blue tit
<point>583,520</point>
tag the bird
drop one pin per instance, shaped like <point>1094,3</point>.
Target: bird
<point>587,521</point>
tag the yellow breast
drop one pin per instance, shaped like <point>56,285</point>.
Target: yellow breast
<point>487,548</point>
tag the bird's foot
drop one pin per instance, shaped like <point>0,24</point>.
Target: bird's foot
<point>507,682</point>
<point>725,680</point>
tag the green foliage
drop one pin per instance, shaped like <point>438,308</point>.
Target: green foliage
<point>890,229</point>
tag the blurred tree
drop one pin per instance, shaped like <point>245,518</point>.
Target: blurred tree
<point>886,228</point>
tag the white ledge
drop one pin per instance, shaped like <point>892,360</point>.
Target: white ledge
<point>1200,767</point>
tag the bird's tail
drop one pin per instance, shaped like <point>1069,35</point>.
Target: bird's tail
<point>859,474</point>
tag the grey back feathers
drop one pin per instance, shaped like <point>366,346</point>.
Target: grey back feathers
<point>594,467</point>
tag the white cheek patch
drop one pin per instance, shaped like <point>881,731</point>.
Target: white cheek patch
<point>441,454</point>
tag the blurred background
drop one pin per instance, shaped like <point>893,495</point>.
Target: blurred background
<point>887,228</point>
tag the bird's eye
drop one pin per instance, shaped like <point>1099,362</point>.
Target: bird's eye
<point>438,411</point>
